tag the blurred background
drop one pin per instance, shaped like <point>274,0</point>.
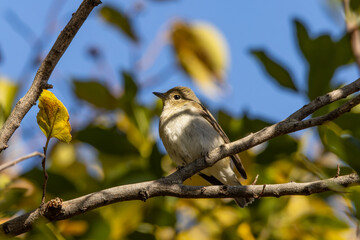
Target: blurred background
<point>251,63</point>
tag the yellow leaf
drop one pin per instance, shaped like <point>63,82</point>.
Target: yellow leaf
<point>201,52</point>
<point>7,96</point>
<point>53,117</point>
<point>244,231</point>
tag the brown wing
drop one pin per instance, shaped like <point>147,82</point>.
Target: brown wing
<point>235,158</point>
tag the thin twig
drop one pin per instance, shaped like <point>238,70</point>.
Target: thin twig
<point>10,164</point>
<point>46,177</point>
<point>255,180</point>
<point>337,171</point>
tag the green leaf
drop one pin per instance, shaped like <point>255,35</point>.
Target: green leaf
<point>320,220</point>
<point>237,128</point>
<point>279,147</point>
<point>59,185</point>
<point>155,162</point>
<point>350,122</point>
<point>130,87</point>
<point>324,56</point>
<point>354,197</point>
<point>345,146</point>
<point>95,93</point>
<point>120,20</point>
<point>9,198</point>
<point>106,140</point>
<point>275,69</point>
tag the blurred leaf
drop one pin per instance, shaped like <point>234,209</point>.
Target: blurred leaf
<point>237,128</point>
<point>8,92</point>
<point>53,117</point>
<point>142,141</point>
<point>140,236</point>
<point>320,52</point>
<point>355,6</point>
<point>63,155</point>
<point>350,122</point>
<point>158,214</point>
<point>95,93</point>
<point>275,69</point>
<point>130,87</point>
<point>354,196</point>
<point>279,147</point>
<point>99,227</point>
<point>128,215</point>
<point>58,185</point>
<point>322,220</point>
<point>106,140</point>
<point>9,198</point>
<point>71,227</point>
<point>201,51</point>
<point>244,231</point>
<point>120,20</point>
<point>155,162</point>
<point>343,145</point>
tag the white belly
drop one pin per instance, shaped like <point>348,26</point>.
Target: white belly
<point>188,137</point>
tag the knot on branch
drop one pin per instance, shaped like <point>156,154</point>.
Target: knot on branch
<point>53,208</point>
<point>144,195</point>
<point>224,189</point>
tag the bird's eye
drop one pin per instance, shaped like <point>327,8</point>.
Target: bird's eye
<point>177,97</point>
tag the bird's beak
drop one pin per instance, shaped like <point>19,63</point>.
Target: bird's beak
<point>160,95</point>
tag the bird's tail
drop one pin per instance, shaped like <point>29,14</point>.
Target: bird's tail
<point>243,202</point>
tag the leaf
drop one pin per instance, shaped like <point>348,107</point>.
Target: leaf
<point>53,117</point>
<point>201,52</point>
<point>324,56</point>
<point>277,148</point>
<point>275,70</point>
<point>120,20</point>
<point>8,92</point>
<point>130,87</point>
<point>95,93</point>
<point>345,146</point>
<point>59,186</point>
<point>106,140</point>
<point>354,195</point>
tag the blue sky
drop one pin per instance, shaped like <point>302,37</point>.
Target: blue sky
<point>245,25</point>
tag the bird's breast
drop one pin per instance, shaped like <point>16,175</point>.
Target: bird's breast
<point>187,136</point>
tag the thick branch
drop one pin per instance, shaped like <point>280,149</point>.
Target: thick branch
<point>164,187</point>
<point>43,74</point>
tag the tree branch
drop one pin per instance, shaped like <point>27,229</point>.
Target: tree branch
<point>289,125</point>
<point>164,187</point>
<point>172,184</point>
<point>10,164</point>
<point>43,74</point>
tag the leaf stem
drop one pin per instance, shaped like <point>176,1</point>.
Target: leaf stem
<point>44,170</point>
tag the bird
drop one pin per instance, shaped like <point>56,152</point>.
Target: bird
<point>189,131</point>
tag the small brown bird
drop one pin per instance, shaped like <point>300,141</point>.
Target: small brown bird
<point>188,131</point>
